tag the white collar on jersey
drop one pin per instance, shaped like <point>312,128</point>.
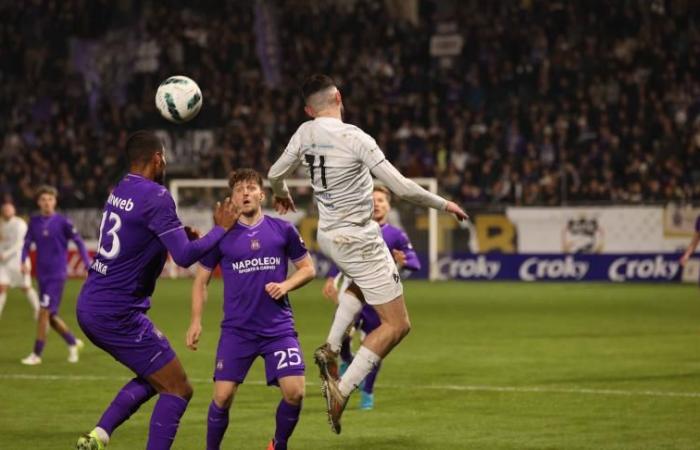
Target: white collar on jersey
<point>255,225</point>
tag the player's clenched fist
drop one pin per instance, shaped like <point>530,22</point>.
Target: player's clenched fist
<point>399,257</point>
<point>226,214</point>
<point>330,291</point>
<point>276,290</point>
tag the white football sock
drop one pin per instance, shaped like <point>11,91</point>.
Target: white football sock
<point>348,307</point>
<point>101,435</point>
<point>3,298</point>
<point>364,361</point>
<point>33,300</point>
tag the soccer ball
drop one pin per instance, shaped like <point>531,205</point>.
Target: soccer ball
<point>178,99</point>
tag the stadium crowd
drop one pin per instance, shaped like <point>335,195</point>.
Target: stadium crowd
<point>546,103</point>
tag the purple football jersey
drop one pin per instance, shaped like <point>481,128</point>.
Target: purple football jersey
<point>51,234</point>
<point>396,239</point>
<point>130,255</point>
<point>250,257</point>
<point>697,225</point>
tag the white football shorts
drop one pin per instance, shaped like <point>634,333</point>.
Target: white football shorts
<point>361,254</point>
<point>10,275</point>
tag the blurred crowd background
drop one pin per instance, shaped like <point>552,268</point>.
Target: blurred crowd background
<point>507,102</point>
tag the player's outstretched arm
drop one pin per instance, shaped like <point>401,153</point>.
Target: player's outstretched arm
<point>186,252</point>
<point>409,190</point>
<point>691,249</point>
<point>199,299</point>
<point>305,272</point>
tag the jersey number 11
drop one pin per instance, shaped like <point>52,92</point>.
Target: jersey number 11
<point>311,161</point>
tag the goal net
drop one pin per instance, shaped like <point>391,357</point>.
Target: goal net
<point>195,199</point>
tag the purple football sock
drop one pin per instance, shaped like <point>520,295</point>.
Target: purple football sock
<point>371,377</point>
<point>345,351</point>
<point>287,418</point>
<point>134,394</point>
<point>164,421</point>
<point>217,422</point>
<point>68,337</point>
<point>38,347</point>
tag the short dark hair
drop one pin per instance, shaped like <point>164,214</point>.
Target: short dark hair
<point>141,146</point>
<point>384,190</point>
<point>46,189</point>
<point>240,175</point>
<point>315,83</point>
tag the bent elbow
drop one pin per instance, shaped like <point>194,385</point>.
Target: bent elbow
<point>272,175</point>
<point>312,274</point>
<point>182,260</point>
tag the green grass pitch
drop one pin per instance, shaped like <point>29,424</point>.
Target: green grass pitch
<point>486,366</point>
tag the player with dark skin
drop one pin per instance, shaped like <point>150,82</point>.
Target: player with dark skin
<point>140,228</point>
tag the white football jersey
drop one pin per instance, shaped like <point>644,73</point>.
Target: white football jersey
<point>339,157</point>
<point>12,234</point>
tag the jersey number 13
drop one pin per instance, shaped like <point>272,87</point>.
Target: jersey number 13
<point>115,224</point>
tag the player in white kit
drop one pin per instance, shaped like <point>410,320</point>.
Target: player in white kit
<point>341,160</point>
<point>12,231</point>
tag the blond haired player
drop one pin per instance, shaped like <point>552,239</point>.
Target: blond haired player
<point>12,232</point>
<point>341,160</point>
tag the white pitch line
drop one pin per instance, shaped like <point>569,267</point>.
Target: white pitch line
<point>442,387</point>
<point>555,390</point>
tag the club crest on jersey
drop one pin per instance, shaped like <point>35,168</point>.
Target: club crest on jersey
<point>46,232</point>
<point>255,244</point>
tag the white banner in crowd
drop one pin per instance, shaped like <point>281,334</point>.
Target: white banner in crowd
<point>680,220</point>
<point>594,230</point>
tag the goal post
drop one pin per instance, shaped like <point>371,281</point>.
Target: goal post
<point>194,199</point>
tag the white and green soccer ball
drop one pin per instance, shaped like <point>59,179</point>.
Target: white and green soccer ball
<point>178,99</point>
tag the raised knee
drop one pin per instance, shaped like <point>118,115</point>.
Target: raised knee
<point>401,329</point>
<point>405,328</point>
